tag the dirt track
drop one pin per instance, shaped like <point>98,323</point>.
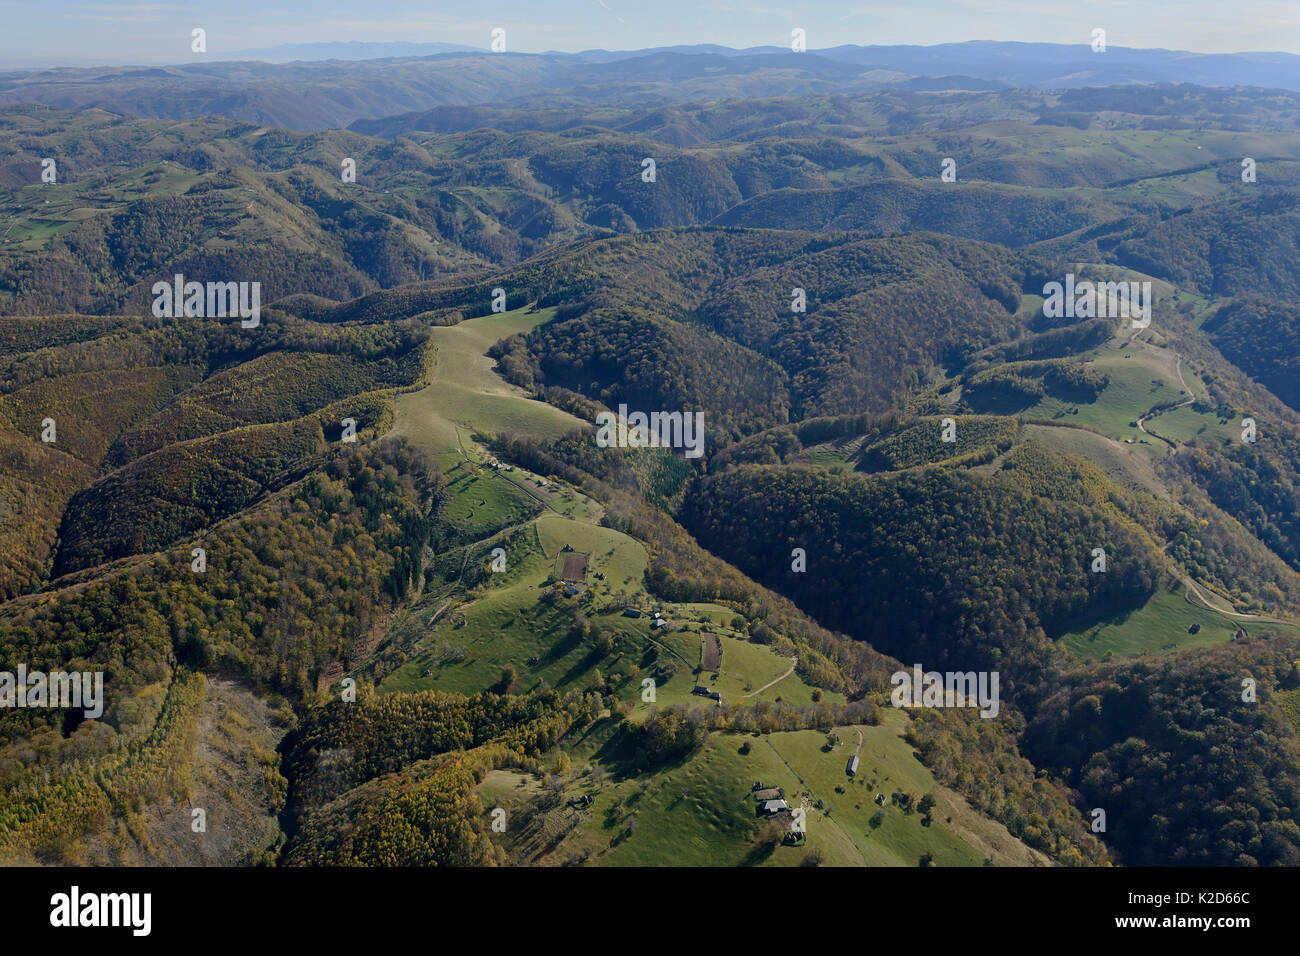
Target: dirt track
<point>1194,590</point>
<point>793,663</point>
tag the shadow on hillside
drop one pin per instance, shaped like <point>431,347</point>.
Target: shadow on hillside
<point>1112,612</point>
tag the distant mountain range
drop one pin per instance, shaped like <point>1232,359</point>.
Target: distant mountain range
<point>317,90</point>
<point>350,50</point>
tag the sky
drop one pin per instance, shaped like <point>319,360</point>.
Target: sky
<point>97,32</point>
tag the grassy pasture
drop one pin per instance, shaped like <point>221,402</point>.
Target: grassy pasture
<point>479,505</point>
<point>1129,465</point>
<point>622,560</point>
<point>1186,424</point>
<point>466,395</point>
<point>1158,626</point>
<point>1136,384</point>
<point>700,810</point>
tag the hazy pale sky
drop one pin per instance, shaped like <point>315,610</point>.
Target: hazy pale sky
<point>76,32</point>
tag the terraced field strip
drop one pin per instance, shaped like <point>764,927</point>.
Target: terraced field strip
<point>710,652</point>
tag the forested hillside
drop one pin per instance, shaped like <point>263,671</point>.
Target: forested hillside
<point>1011,567</point>
<point>372,580</point>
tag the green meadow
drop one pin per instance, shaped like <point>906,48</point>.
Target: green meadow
<point>466,396</point>
<point>1159,626</point>
<point>1136,384</point>
<point>700,811</point>
<point>479,504</point>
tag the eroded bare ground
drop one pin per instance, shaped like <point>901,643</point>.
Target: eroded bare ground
<point>233,777</point>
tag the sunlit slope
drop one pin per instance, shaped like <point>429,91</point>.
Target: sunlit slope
<point>466,396</point>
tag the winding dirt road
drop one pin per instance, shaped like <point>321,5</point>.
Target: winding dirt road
<point>1153,412</point>
<point>794,661</point>
<point>1194,590</point>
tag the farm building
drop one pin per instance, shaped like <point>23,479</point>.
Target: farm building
<point>631,612</point>
<point>852,768</point>
<point>771,807</point>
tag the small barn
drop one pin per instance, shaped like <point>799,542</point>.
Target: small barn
<point>852,768</point>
